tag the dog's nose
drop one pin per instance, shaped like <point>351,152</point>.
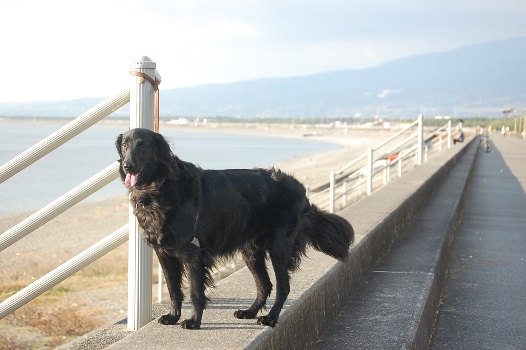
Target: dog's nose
<point>128,166</point>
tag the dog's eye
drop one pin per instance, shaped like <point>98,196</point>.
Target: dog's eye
<point>124,145</point>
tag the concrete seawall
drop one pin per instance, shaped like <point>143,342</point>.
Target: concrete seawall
<point>319,291</point>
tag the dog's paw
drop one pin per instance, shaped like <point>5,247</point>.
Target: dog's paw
<point>168,319</point>
<point>190,324</point>
<point>244,314</point>
<point>267,321</point>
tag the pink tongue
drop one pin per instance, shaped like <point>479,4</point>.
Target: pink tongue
<point>131,180</point>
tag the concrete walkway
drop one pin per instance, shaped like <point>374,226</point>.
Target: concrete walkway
<point>320,289</point>
<point>465,209</point>
<point>484,301</point>
<point>396,306</point>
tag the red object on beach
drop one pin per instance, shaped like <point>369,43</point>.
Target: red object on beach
<point>392,157</point>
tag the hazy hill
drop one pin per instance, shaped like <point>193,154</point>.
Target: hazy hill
<point>471,81</point>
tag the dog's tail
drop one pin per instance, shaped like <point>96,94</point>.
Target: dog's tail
<point>329,233</point>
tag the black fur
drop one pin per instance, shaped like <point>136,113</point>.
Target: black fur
<point>256,212</point>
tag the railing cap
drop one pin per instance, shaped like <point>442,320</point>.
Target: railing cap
<point>143,62</point>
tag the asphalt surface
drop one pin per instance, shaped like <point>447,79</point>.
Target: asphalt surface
<point>484,300</point>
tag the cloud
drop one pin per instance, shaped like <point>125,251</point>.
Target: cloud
<point>387,92</point>
<point>59,49</point>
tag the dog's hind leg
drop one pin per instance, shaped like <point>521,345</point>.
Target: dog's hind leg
<point>172,269</point>
<point>280,258</point>
<point>255,261</point>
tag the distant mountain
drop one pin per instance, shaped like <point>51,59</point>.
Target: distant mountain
<point>471,81</point>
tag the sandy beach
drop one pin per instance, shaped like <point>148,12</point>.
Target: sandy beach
<point>99,292</point>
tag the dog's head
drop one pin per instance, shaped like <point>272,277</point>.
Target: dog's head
<point>145,157</point>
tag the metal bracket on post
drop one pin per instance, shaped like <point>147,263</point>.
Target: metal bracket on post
<point>142,106</point>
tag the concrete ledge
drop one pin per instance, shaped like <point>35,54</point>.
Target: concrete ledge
<point>379,219</point>
<point>423,326</point>
<point>319,291</point>
<point>397,306</point>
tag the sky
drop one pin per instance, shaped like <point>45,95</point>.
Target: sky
<point>67,49</point>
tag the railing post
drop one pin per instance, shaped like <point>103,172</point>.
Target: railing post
<point>159,283</point>
<point>420,146</point>
<point>142,105</point>
<point>449,135</point>
<point>344,188</point>
<point>331,192</point>
<point>369,171</point>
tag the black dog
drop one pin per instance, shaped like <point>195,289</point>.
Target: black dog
<point>192,216</point>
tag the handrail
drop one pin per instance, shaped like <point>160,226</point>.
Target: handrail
<point>370,172</point>
<point>141,97</point>
<point>59,205</point>
<point>64,134</point>
<point>401,143</point>
<point>341,170</point>
<point>345,167</point>
<point>395,135</point>
<point>64,271</point>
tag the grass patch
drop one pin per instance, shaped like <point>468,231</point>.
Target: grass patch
<point>57,322</point>
<point>58,291</point>
<point>59,315</point>
<point>38,326</point>
<point>10,342</point>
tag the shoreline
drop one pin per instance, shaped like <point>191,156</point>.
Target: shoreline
<point>352,141</point>
<point>102,215</point>
<point>99,292</point>
<point>319,132</point>
<point>310,169</point>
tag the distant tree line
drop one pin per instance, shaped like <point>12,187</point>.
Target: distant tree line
<point>513,123</point>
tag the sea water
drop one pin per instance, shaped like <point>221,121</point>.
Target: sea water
<point>94,149</point>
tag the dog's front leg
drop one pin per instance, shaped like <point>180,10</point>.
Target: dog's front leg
<point>172,269</point>
<point>197,279</point>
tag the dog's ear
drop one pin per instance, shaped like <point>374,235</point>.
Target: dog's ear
<point>118,143</point>
<point>165,157</point>
<point>162,148</point>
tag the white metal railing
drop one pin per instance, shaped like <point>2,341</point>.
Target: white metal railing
<point>367,170</point>
<point>59,206</point>
<point>64,271</point>
<point>140,254</point>
<point>64,134</point>
<point>141,97</point>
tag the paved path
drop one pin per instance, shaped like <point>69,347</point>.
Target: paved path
<point>484,302</point>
